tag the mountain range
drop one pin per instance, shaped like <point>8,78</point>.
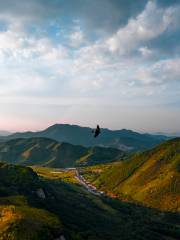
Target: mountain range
<point>121,139</point>
<point>151,178</point>
<point>50,153</point>
<point>4,133</point>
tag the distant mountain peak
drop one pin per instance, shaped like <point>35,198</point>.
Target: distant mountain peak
<point>78,135</point>
<point>4,133</point>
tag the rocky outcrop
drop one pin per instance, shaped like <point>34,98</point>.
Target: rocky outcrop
<point>60,238</point>
<point>40,193</point>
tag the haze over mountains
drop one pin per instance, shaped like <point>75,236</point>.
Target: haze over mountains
<point>4,133</point>
<point>174,134</point>
<point>121,139</point>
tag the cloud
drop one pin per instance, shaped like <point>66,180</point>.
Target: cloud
<point>146,52</point>
<point>122,65</point>
<point>94,66</point>
<point>148,25</point>
<point>29,63</point>
<point>161,72</point>
<point>102,16</point>
<point>77,38</point>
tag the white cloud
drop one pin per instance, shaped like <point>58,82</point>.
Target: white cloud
<point>161,72</point>
<point>149,24</point>
<point>28,62</point>
<point>76,38</point>
<point>41,69</point>
<point>93,69</point>
<point>19,81</point>
<point>146,52</point>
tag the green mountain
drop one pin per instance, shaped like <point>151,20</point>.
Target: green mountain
<point>18,219</point>
<point>151,177</point>
<point>68,211</point>
<point>121,139</point>
<point>48,152</point>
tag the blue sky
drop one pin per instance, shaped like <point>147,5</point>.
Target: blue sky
<point>112,62</point>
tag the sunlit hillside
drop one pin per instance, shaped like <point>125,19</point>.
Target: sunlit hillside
<point>151,177</point>
<point>47,208</point>
<point>50,153</point>
<point>20,220</point>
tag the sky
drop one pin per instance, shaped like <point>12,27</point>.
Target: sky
<point>110,62</point>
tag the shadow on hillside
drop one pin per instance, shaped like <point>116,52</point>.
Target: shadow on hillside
<point>86,216</point>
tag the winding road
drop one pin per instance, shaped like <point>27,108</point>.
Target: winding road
<point>91,188</point>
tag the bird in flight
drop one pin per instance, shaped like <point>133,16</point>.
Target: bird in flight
<point>97,131</point>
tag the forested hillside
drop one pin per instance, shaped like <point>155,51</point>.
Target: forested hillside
<point>151,177</point>
<point>34,208</point>
<point>50,153</point>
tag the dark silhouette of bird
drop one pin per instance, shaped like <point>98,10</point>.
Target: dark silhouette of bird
<point>97,131</point>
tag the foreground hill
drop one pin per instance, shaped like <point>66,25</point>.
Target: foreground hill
<point>18,219</point>
<point>48,152</point>
<point>121,139</point>
<point>151,177</point>
<point>67,211</point>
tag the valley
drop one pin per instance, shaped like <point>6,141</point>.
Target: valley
<point>70,176</point>
<point>151,178</point>
<point>100,200</point>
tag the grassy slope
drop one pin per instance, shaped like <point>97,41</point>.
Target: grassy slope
<point>56,174</point>
<point>50,153</point>
<point>83,215</point>
<point>89,217</point>
<point>152,177</point>
<point>18,219</point>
